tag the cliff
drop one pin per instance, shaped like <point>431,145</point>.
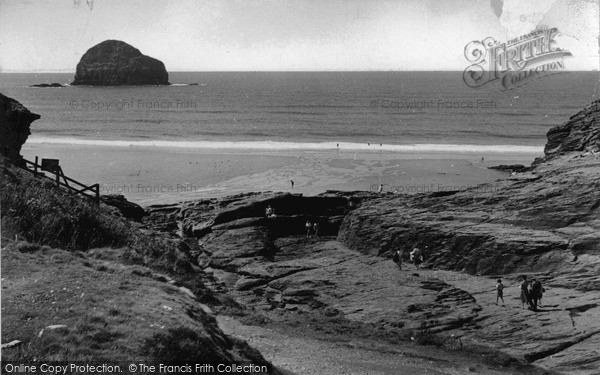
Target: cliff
<point>116,63</point>
<point>580,133</point>
<point>532,221</point>
<point>15,123</point>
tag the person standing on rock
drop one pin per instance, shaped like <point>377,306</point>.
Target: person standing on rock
<point>397,258</point>
<point>416,257</point>
<point>500,291</point>
<point>524,292</point>
<point>308,227</point>
<point>536,292</point>
<point>316,229</point>
<point>269,211</point>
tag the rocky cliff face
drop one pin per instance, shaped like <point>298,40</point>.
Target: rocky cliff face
<point>116,63</point>
<point>15,122</point>
<point>533,221</point>
<point>581,132</point>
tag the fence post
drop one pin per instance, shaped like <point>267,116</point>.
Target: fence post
<point>97,194</point>
<point>57,178</point>
<point>35,166</point>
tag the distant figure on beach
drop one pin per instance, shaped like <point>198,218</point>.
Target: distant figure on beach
<point>292,182</point>
<point>397,258</point>
<point>416,257</point>
<point>500,291</point>
<point>316,229</point>
<point>482,160</point>
<point>308,227</point>
<point>380,189</point>
<point>524,292</point>
<point>536,293</point>
<point>269,211</point>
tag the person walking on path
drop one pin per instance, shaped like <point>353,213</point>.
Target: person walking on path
<point>500,291</point>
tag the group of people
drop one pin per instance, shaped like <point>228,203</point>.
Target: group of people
<point>269,212</point>
<point>416,257</point>
<point>311,229</point>
<point>531,293</point>
<point>531,290</point>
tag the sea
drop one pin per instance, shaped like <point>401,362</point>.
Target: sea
<point>295,109</point>
<point>395,112</point>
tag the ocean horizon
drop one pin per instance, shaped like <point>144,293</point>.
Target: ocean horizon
<point>291,110</point>
<point>215,134</point>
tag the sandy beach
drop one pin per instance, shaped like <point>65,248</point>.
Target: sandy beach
<point>156,175</point>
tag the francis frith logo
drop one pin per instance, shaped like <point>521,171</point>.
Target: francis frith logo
<point>516,62</point>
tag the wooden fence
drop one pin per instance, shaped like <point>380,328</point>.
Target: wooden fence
<point>52,166</point>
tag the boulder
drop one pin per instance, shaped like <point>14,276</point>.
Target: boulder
<point>128,209</point>
<point>116,63</point>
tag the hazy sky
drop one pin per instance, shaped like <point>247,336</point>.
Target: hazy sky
<point>248,35</point>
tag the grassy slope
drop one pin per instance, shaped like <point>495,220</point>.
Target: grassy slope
<point>112,312</point>
<point>104,286</point>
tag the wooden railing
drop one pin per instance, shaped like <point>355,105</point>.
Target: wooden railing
<point>91,191</point>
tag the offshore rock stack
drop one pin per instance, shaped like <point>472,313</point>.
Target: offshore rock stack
<point>116,63</point>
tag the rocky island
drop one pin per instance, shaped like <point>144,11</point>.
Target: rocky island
<point>116,63</point>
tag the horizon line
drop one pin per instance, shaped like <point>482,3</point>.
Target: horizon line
<point>278,71</point>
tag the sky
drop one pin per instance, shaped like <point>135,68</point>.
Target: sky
<point>286,35</point>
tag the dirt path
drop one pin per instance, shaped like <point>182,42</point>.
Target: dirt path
<point>306,356</point>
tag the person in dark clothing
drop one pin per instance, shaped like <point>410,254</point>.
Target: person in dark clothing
<point>308,227</point>
<point>536,293</point>
<point>397,258</point>
<point>500,292</point>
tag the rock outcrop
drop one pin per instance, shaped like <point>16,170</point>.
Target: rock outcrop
<point>116,63</point>
<point>537,220</point>
<point>128,209</point>
<point>15,122</point>
<point>580,133</point>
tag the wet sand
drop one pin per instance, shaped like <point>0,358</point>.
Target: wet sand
<point>154,175</point>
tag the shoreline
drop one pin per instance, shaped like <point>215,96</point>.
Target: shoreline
<point>301,145</point>
<point>150,175</point>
